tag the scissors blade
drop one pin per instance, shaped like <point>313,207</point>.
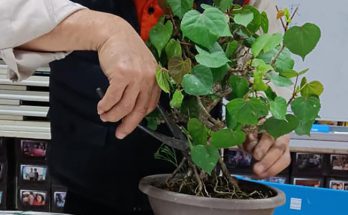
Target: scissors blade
<point>170,141</point>
<point>174,128</point>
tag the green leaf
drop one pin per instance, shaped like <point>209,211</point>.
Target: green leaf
<point>278,108</point>
<point>278,128</point>
<point>264,22</point>
<point>177,99</point>
<point>205,157</point>
<point>303,71</point>
<point>303,82</point>
<point>255,25</point>
<point>266,43</point>
<point>219,73</point>
<point>162,78</point>
<point>304,127</point>
<point>227,138</point>
<point>223,5</point>
<point>247,112</point>
<point>180,7</point>
<point>259,74</point>
<point>205,28</point>
<point>199,82</point>
<point>280,81</point>
<point>212,60</point>
<point>271,95</point>
<point>289,74</point>
<point>173,49</point>
<point>151,123</point>
<point>160,35</point>
<point>302,40</point>
<point>314,88</point>
<point>284,61</point>
<point>190,107</point>
<point>306,108</point>
<point>197,131</point>
<point>244,18</point>
<point>239,85</point>
<point>231,48</point>
<point>177,68</point>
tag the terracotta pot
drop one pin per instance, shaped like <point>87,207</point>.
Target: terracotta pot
<point>170,203</point>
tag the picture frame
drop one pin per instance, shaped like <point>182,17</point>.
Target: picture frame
<point>33,174</point>
<point>338,165</point>
<point>33,199</point>
<point>309,182</point>
<point>238,161</point>
<point>29,149</point>
<point>309,164</point>
<point>337,184</point>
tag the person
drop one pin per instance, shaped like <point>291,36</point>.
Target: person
<point>39,200</point>
<point>96,150</point>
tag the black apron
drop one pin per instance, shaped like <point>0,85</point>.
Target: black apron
<point>84,154</point>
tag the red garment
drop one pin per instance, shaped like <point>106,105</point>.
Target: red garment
<point>149,12</point>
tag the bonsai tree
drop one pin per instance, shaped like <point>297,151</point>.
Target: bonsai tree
<point>223,57</point>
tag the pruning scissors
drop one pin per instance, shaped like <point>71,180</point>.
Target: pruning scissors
<point>178,141</point>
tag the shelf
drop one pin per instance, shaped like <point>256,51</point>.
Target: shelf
<point>25,129</point>
<point>24,110</point>
<point>24,95</point>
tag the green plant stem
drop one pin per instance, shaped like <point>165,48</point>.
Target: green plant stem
<point>176,171</point>
<point>274,60</point>
<point>294,91</point>
<point>281,19</point>
<point>292,16</point>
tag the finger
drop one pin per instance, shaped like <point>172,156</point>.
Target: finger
<point>112,96</point>
<point>251,142</point>
<point>155,97</point>
<point>124,107</point>
<point>263,146</point>
<point>277,152</point>
<point>131,121</point>
<point>282,163</point>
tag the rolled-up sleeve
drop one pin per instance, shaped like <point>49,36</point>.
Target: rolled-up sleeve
<point>24,20</point>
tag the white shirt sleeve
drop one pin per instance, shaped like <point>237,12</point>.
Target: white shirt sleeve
<point>24,20</point>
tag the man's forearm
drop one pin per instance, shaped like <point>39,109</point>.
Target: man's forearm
<point>83,30</point>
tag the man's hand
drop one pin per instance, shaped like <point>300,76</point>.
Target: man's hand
<point>272,156</point>
<point>124,58</point>
<point>130,68</point>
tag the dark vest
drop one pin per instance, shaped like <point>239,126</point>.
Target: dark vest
<point>84,154</point>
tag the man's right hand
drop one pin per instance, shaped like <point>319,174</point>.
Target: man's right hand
<point>130,68</point>
<point>124,58</point>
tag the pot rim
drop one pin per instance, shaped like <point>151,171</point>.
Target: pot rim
<point>146,187</point>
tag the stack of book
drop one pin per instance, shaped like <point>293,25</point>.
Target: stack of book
<point>24,105</point>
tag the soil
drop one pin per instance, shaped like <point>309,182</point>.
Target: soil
<point>219,188</point>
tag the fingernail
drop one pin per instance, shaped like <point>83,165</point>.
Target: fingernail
<point>259,168</point>
<point>121,135</point>
<point>102,119</point>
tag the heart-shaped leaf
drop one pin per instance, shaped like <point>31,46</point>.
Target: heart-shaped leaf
<point>266,43</point>
<point>247,112</point>
<point>162,78</point>
<point>160,35</point>
<point>205,157</point>
<point>302,40</point>
<point>278,128</point>
<point>244,18</point>
<point>304,127</point>
<point>177,68</point>
<point>306,108</point>
<point>280,81</point>
<point>314,88</point>
<point>278,108</point>
<point>223,5</point>
<point>180,7</point>
<point>239,85</point>
<point>177,99</point>
<point>199,82</point>
<point>211,59</point>
<point>205,28</point>
<point>227,138</point>
<point>197,131</point>
<point>283,63</point>
<point>231,48</point>
<point>173,49</point>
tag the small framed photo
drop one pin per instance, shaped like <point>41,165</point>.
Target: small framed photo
<point>337,184</point>
<point>309,164</point>
<point>309,182</point>
<point>33,198</point>
<point>339,164</point>
<point>33,173</point>
<point>237,160</point>
<point>278,179</point>
<point>59,199</point>
<point>33,149</point>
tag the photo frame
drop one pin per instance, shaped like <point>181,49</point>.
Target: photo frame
<point>33,174</point>
<point>33,149</point>
<point>309,182</point>
<point>33,199</point>
<point>337,183</point>
<point>309,164</point>
<point>339,165</point>
<point>58,198</point>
